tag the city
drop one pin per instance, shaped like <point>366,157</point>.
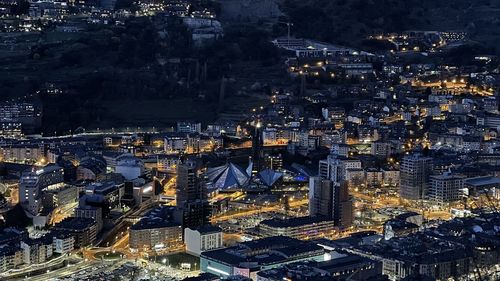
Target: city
<point>263,140</point>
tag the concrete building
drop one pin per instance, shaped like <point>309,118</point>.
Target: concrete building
<point>446,188</point>
<point>381,149</point>
<point>373,177</point>
<point>83,230</point>
<point>32,183</point>
<point>391,177</point>
<point>22,153</point>
<point>403,225</point>
<point>340,149</point>
<point>188,127</point>
<point>167,163</point>
<point>175,143</point>
<point>330,200</point>
<point>10,257</point>
<point>415,172</point>
<point>299,228</point>
<point>36,251</point>
<point>248,258</point>
<point>129,166</point>
<point>201,239</point>
<point>335,167</point>
<point>155,233</point>
<point>273,162</point>
<point>59,195</point>
<point>342,266</point>
<point>193,209</point>
<point>63,243</point>
<point>110,192</point>
<point>91,212</point>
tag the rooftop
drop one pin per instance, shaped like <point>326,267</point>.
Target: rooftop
<point>265,251</point>
<point>293,222</point>
<point>74,223</point>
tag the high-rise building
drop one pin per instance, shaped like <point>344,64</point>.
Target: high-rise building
<point>320,197</point>
<point>193,209</point>
<point>415,171</point>
<point>446,188</point>
<point>188,183</point>
<point>343,211</point>
<point>330,200</point>
<point>335,167</point>
<point>257,144</point>
<point>32,183</point>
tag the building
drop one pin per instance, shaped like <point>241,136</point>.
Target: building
<point>398,228</point>
<point>155,233</point>
<point>91,212</point>
<point>330,200</point>
<point>335,167</point>
<point>36,251</point>
<point>10,257</point>
<point>59,195</point>
<point>12,236</point>
<point>83,230</point>
<point>320,197</point>
<point>22,153</point>
<point>381,148</point>
<point>273,162</point>
<point>167,163</point>
<point>28,114</point>
<point>340,149</point>
<point>201,239</point>
<point>228,176</point>
<point>481,184</point>
<point>415,172</point>
<point>342,266</point>
<point>11,129</point>
<point>32,183</point>
<point>248,258</point>
<point>193,209</point>
<point>299,228</point>
<point>129,166</point>
<point>391,177</point>
<point>446,188</point>
<point>188,127</point>
<point>373,177</point>
<point>421,256</point>
<point>108,192</point>
<point>63,243</point>
<point>175,143</point>
<point>91,168</point>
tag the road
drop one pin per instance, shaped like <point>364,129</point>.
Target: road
<point>62,272</point>
<point>61,213</point>
<point>257,210</point>
<point>384,202</point>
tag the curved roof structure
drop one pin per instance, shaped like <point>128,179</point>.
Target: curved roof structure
<point>269,177</point>
<point>228,176</point>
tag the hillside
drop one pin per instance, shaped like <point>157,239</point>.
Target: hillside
<point>350,21</point>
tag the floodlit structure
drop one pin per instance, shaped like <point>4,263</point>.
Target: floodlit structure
<point>269,177</point>
<point>228,176</point>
